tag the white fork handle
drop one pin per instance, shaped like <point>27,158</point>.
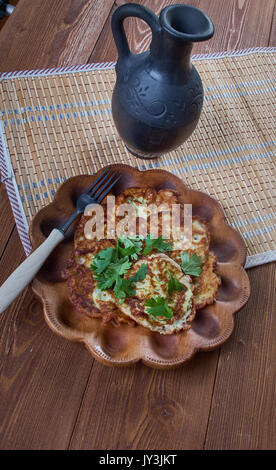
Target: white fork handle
<point>23,275</point>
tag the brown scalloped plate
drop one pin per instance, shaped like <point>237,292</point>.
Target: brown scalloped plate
<point>126,344</point>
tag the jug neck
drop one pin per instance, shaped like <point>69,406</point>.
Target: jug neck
<point>180,26</point>
<point>172,51</point>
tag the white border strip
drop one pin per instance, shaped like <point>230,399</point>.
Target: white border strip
<point>8,178</point>
<point>111,65</point>
<point>57,70</point>
<point>261,258</point>
<point>241,52</point>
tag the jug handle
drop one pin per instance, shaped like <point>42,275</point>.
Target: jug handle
<point>139,11</point>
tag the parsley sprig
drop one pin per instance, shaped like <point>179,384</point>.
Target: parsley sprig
<point>191,264</point>
<point>156,244</point>
<point>130,247</point>
<point>174,284</point>
<point>111,264</point>
<point>141,273</point>
<point>102,260</point>
<point>158,307</point>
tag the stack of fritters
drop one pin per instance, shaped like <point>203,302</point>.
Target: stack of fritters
<point>180,304</point>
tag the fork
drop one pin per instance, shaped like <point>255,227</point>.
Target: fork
<point>27,270</point>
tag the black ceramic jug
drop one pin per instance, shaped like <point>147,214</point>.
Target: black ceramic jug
<point>158,96</point>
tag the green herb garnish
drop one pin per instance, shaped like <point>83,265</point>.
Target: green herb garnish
<point>174,285</point>
<point>110,274</point>
<point>111,264</point>
<point>122,288</point>
<point>156,244</point>
<point>102,259</point>
<point>130,247</point>
<point>158,307</point>
<point>141,273</point>
<point>191,265</point>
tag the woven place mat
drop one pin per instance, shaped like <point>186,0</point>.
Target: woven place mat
<point>57,123</point>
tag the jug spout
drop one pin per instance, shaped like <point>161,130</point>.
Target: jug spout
<point>181,26</point>
<point>186,23</point>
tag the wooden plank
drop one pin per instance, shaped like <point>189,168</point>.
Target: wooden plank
<point>45,34</point>
<point>6,17</point>
<point>141,408</point>
<point>42,376</point>
<point>243,413</point>
<point>272,37</point>
<point>238,24</point>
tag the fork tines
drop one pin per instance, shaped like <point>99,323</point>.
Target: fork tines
<point>98,190</point>
<point>103,195</point>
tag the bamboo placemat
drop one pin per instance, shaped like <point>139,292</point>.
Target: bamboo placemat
<point>57,123</point>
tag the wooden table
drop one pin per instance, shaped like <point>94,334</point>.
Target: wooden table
<point>53,394</point>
